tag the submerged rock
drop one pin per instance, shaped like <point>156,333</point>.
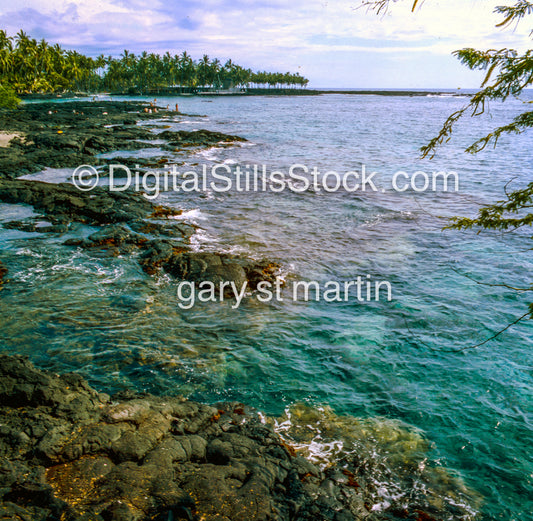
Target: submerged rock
<point>174,229</point>
<point>35,224</point>
<point>383,462</point>
<point>115,239</point>
<point>3,273</point>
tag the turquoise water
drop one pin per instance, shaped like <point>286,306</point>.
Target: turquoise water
<point>103,317</point>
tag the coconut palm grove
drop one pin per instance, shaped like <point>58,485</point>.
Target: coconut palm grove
<point>29,66</point>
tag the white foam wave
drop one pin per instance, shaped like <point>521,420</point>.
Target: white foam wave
<point>191,122</point>
<point>393,474</point>
<point>208,194</point>
<point>199,239</point>
<point>192,215</point>
<point>30,253</point>
<point>211,154</point>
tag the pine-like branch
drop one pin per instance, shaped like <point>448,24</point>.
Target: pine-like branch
<point>502,215</point>
<point>515,74</point>
<point>518,125</point>
<point>516,12</point>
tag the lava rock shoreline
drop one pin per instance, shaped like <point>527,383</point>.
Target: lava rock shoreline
<point>69,134</point>
<point>71,453</point>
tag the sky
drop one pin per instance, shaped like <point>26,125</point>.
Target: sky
<point>334,43</point>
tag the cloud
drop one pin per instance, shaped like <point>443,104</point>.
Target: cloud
<point>53,25</point>
<point>269,34</point>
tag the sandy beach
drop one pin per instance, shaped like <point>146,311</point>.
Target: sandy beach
<point>6,137</point>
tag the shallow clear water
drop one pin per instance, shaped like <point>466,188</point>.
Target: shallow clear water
<point>103,317</point>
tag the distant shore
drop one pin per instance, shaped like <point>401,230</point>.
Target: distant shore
<point>248,92</point>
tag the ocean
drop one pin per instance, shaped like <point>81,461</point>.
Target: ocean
<point>408,362</point>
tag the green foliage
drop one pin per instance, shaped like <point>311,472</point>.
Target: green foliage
<point>515,73</point>
<point>508,74</point>
<point>508,214</point>
<point>8,98</point>
<point>35,67</point>
<point>515,12</point>
<point>517,126</point>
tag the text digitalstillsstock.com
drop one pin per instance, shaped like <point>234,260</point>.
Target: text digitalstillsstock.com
<point>223,178</point>
<point>362,289</point>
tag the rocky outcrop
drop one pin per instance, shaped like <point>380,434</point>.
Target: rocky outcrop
<point>70,134</point>
<point>69,452</point>
<point>3,273</point>
<point>206,266</point>
<point>74,133</point>
<point>196,138</point>
<point>130,223</point>
<point>65,202</point>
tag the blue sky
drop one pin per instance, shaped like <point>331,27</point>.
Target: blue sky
<point>333,43</point>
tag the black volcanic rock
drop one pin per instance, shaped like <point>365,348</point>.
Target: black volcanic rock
<point>65,201</point>
<point>3,273</point>
<point>69,134</point>
<point>70,452</point>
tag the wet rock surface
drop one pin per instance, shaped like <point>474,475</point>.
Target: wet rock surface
<point>64,202</point>
<point>73,133</point>
<point>69,452</point>
<point>195,138</point>
<point>69,134</point>
<point>3,273</point>
<point>129,223</point>
<point>206,266</point>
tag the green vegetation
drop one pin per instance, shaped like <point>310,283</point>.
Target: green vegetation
<point>508,74</point>
<point>8,98</point>
<point>29,66</point>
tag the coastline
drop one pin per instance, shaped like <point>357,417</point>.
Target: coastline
<point>250,92</point>
<point>72,452</point>
<point>83,436</point>
<point>125,221</point>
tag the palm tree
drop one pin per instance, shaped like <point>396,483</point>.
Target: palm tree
<point>30,66</point>
<point>203,70</point>
<point>187,70</point>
